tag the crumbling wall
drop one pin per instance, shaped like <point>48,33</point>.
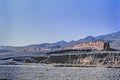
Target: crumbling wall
<point>99,45</point>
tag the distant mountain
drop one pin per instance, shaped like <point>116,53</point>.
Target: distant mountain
<point>4,50</point>
<point>60,43</point>
<point>88,38</point>
<point>113,38</point>
<point>39,45</point>
<point>109,37</point>
<point>50,45</point>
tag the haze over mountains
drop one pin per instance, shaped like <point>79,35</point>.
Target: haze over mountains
<point>113,38</point>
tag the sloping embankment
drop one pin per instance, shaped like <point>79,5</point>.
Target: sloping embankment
<point>102,58</point>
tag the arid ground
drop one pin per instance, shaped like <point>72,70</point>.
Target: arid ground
<point>43,72</point>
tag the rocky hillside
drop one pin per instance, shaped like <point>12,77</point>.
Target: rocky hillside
<point>98,45</point>
<point>109,59</point>
<point>113,39</point>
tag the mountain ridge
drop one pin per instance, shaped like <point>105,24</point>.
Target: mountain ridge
<point>112,37</point>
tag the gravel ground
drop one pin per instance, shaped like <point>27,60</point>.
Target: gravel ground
<point>41,72</point>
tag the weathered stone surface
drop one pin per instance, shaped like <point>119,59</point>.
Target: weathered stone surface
<point>32,49</point>
<point>99,45</point>
<point>36,49</point>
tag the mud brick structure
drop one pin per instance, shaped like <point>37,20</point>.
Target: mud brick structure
<point>99,45</point>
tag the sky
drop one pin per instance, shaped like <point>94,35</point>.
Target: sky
<point>25,22</point>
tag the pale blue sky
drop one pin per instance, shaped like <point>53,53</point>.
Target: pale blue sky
<point>24,22</point>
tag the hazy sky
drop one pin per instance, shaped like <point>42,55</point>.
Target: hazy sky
<point>24,22</point>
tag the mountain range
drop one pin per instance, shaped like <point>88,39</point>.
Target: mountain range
<point>112,38</point>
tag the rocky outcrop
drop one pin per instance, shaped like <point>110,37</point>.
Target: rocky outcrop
<point>88,59</point>
<point>99,45</point>
<point>36,49</point>
<point>110,59</point>
<point>30,49</point>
